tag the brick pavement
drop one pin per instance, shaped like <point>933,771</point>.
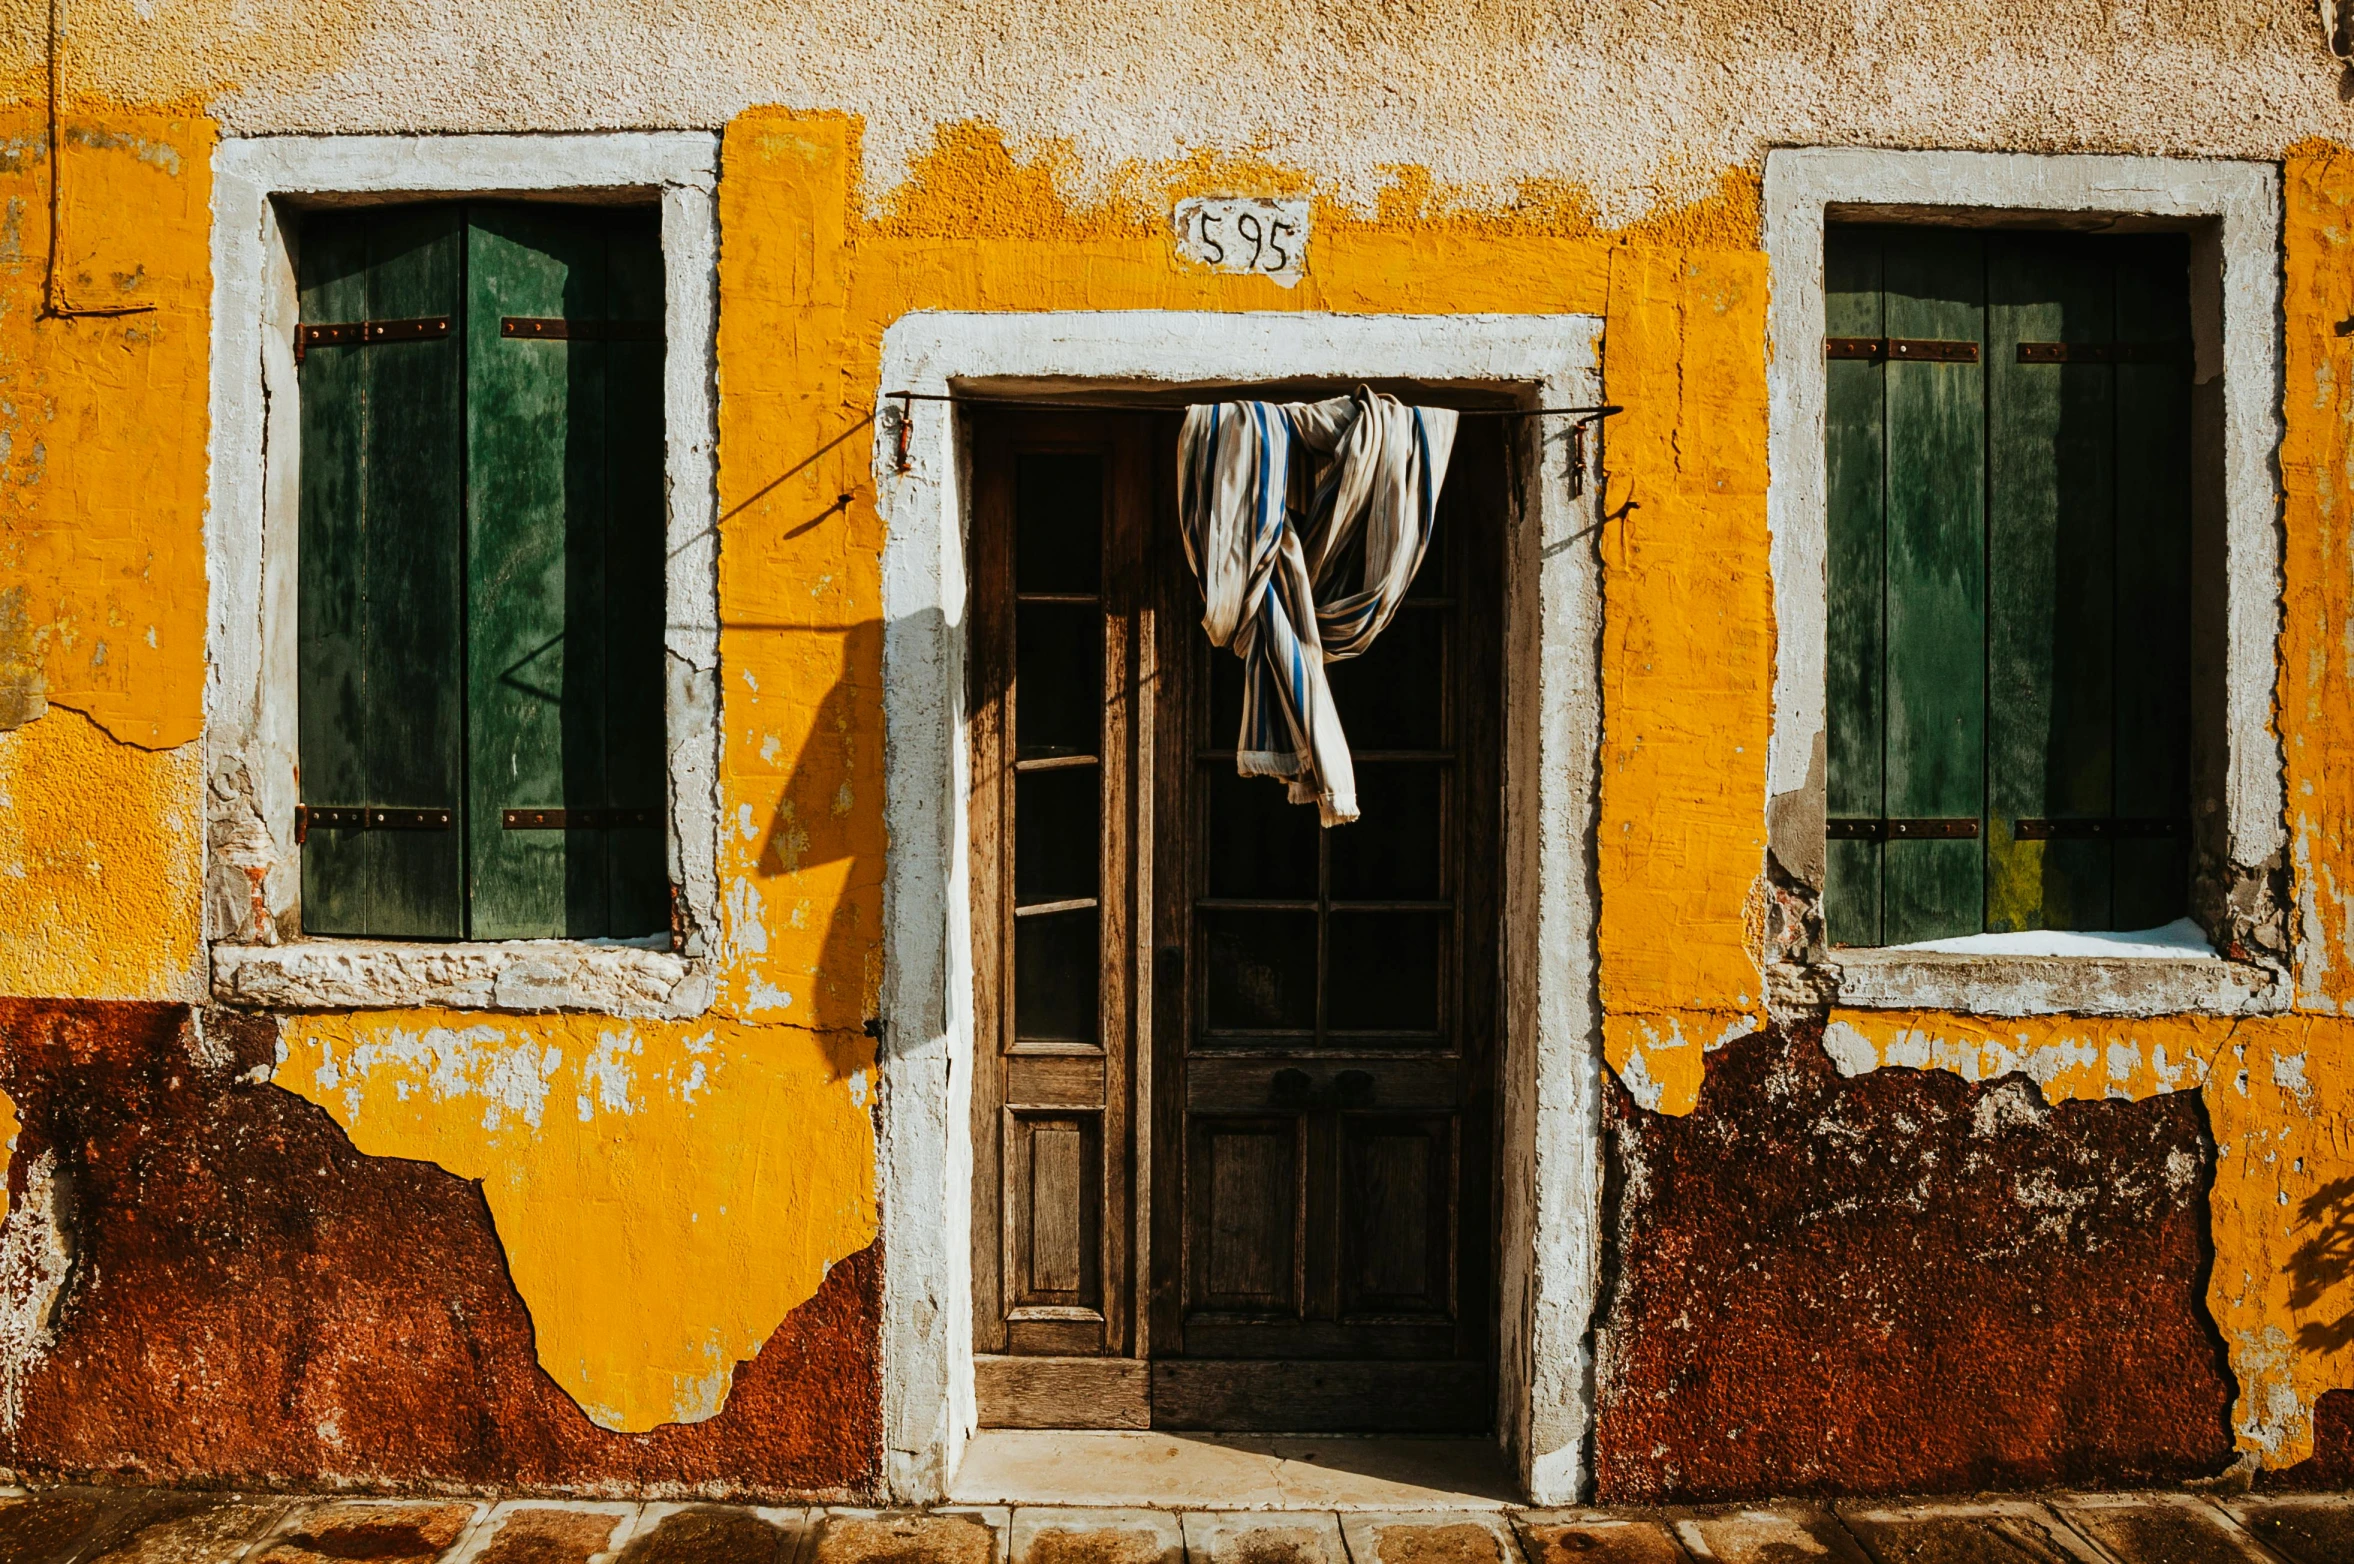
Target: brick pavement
<point>131,1526</point>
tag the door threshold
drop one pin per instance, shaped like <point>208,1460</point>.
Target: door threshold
<point>1167,1470</point>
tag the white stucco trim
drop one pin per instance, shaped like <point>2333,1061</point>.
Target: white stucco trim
<point>253,869</point>
<point>2236,207</point>
<point>1550,1055</point>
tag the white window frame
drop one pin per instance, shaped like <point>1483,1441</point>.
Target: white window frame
<point>2234,212</point>
<point>253,872</point>
<point>1551,1154</point>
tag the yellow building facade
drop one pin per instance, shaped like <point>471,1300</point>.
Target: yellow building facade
<point>692,1216</point>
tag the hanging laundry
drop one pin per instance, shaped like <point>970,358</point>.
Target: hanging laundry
<point>1305,523</point>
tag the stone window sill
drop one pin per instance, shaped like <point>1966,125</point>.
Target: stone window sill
<point>2018,985</point>
<point>521,976</point>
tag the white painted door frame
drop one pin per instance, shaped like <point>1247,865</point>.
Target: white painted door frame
<point>1550,1061</point>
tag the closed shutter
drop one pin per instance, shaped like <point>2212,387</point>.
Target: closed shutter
<point>380,642</point>
<point>482,567</point>
<point>564,572</point>
<point>2009,536</point>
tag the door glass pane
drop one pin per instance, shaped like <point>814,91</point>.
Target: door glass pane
<point>1262,970</point>
<point>1391,851</point>
<point>1056,852</point>
<point>1055,975</point>
<point>1389,698</point>
<point>1058,691</point>
<point>1058,523</point>
<point>1261,843</point>
<point>1384,971</point>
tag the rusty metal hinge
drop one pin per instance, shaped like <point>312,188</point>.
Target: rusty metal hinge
<point>1870,830</point>
<point>367,333</point>
<point>2102,829</point>
<point>578,819</point>
<point>549,328</point>
<point>366,817</point>
<point>1927,350</point>
<point>2100,352</point>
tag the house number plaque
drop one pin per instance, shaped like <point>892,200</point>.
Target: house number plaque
<point>1244,234</point>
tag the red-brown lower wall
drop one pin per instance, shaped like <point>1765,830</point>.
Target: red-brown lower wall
<point>1903,1283</point>
<point>252,1301</point>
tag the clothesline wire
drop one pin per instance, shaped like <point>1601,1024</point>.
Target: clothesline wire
<point>1592,414</point>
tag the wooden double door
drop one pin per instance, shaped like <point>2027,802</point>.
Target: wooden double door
<point>1234,1113</point>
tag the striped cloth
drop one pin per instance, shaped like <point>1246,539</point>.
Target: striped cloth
<point>1304,523</point>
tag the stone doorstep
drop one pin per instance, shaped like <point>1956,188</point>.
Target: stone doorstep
<point>129,1526</point>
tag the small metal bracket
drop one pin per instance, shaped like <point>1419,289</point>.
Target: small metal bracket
<point>366,817</point>
<point>2100,352</point>
<point>578,819</point>
<point>367,333</point>
<point>1928,350</point>
<point>1907,830</point>
<point>906,429</point>
<point>549,328</point>
<point>2099,829</point>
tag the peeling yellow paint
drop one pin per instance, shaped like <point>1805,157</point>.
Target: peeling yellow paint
<point>10,1127</point>
<point>665,1195</point>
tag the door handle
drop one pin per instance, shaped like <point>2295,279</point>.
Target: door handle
<point>1353,1089</point>
<point>1290,1089</point>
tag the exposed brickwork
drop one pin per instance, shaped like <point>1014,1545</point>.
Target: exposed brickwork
<point>253,1301</point>
<point>1903,1282</point>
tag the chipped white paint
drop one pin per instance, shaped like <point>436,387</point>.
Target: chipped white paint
<point>2007,985</point>
<point>34,1258</point>
<point>2120,1064</point>
<point>253,876</point>
<point>2234,212</point>
<point>508,1074</point>
<point>513,975</point>
<point>1550,1067</point>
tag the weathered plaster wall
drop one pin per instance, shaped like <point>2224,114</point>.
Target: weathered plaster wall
<point>1490,157</point>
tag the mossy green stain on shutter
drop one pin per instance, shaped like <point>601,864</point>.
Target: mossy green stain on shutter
<point>1935,683</point>
<point>564,561</point>
<point>1857,451</point>
<point>380,633</point>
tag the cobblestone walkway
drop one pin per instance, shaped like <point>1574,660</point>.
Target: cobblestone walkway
<point>123,1526</point>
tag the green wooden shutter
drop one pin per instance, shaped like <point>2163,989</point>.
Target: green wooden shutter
<point>564,587</point>
<point>380,638</point>
<point>2008,583</point>
<point>1856,585</point>
<point>1935,683</point>
<point>2153,702</point>
<point>2052,553</point>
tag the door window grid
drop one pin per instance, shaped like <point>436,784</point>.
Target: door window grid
<point>1260,912</point>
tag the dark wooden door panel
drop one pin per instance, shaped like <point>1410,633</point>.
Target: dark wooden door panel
<point>1322,1397</point>
<point>1248,1185</point>
<point>1397,1216</point>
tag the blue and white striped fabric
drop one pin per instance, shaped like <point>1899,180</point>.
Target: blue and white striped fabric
<point>1304,523</point>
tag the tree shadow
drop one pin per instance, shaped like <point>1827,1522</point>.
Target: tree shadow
<point>2323,1261</point>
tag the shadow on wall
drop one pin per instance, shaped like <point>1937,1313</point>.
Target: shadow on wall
<point>2323,1261</point>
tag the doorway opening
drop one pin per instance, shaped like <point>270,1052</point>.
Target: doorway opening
<point>1235,1109</point>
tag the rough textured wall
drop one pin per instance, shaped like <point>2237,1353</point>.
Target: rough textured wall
<point>200,1274</point>
<point>1638,105</point>
<point>1900,1282</point>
